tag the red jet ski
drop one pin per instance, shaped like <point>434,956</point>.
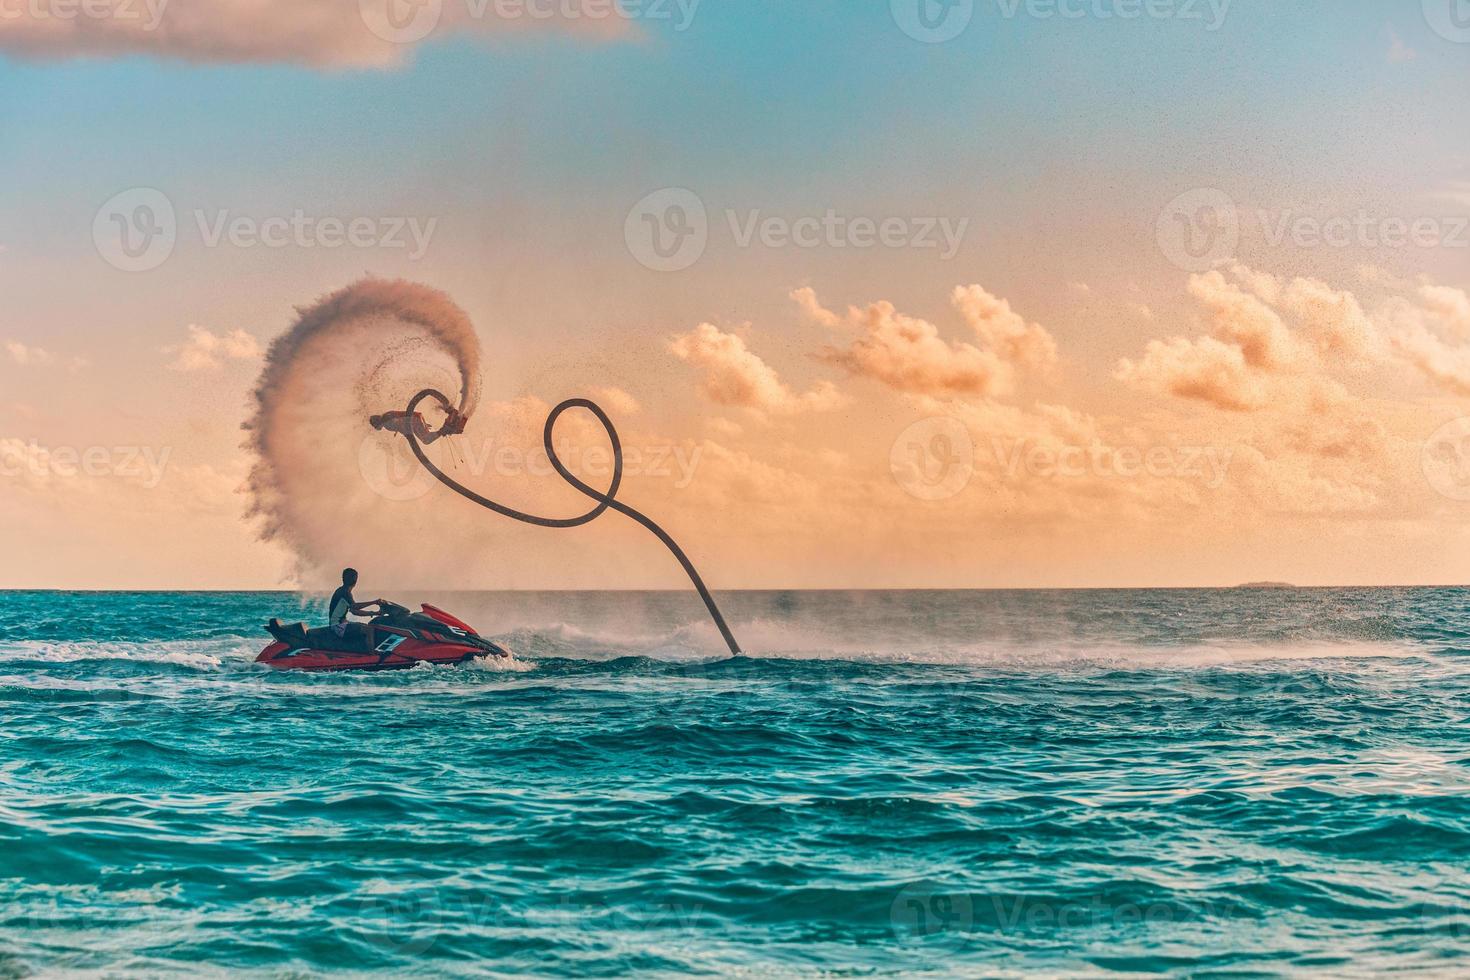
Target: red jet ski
<point>395,639</point>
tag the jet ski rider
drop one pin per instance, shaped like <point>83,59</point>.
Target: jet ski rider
<point>343,603</point>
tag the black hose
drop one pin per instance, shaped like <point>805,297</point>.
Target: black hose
<point>605,501</point>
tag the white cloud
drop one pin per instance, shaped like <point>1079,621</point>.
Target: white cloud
<point>29,356</point>
<point>723,427</point>
<point>206,351</point>
<point>616,401</point>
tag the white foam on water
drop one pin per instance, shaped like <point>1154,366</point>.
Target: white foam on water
<point>499,665</point>
<point>198,654</point>
<point>223,664</point>
<point>767,639</point>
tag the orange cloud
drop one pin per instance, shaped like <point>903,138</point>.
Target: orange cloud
<point>315,33</point>
<point>1252,355</point>
<point>1446,364</point>
<point>908,354</point>
<point>1204,369</point>
<point>806,298</point>
<point>1245,321</point>
<point>617,401</point>
<point>1451,306</point>
<point>1431,332</point>
<point>1003,330</point>
<point>734,375</point>
<point>1333,319</point>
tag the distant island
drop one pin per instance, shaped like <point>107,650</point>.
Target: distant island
<point>1266,585</point>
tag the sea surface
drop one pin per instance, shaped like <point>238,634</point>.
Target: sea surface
<point>1108,783</point>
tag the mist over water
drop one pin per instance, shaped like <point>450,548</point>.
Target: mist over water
<point>940,783</point>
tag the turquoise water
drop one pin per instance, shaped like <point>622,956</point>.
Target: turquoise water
<point>1241,782</point>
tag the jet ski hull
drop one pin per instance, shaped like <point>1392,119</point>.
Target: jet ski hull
<point>433,637</point>
<point>284,656</point>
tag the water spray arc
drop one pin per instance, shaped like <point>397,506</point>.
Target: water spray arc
<point>605,500</point>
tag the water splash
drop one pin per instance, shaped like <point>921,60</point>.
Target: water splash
<point>343,357</point>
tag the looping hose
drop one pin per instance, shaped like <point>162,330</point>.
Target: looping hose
<point>605,500</point>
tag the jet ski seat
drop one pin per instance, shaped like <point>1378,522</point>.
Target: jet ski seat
<point>294,635</point>
<point>356,639</point>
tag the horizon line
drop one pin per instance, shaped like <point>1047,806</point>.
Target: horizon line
<point>1263,586</point>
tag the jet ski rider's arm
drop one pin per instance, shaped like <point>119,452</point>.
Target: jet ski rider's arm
<point>366,608</point>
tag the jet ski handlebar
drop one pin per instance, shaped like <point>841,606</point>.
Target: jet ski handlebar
<point>392,610</point>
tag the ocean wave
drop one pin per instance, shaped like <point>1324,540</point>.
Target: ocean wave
<point>207,654</point>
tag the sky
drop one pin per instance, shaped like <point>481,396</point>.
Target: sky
<point>920,293</point>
